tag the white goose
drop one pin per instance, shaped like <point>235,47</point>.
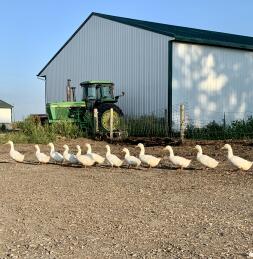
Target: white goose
<point>237,161</point>
<point>71,158</point>
<point>85,160</point>
<point>42,158</point>
<point>56,156</point>
<point>152,161</point>
<point>112,159</point>
<point>96,157</point>
<point>14,154</point>
<point>204,159</point>
<point>131,160</point>
<point>177,160</point>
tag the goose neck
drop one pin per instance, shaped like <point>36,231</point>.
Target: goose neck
<point>108,150</point>
<point>199,152</point>
<point>171,152</point>
<point>88,149</point>
<point>127,153</point>
<point>12,146</point>
<point>142,152</point>
<point>230,152</point>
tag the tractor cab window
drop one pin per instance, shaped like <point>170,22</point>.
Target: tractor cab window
<point>90,93</point>
<point>107,91</point>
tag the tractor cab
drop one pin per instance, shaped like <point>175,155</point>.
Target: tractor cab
<point>98,91</point>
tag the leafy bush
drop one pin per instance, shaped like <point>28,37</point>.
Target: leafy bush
<point>236,130</point>
<point>66,129</point>
<point>35,132</point>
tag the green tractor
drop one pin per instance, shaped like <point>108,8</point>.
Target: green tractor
<point>96,95</point>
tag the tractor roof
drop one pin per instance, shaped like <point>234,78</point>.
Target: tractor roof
<point>96,82</point>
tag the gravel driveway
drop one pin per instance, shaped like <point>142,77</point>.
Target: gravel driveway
<point>54,211</point>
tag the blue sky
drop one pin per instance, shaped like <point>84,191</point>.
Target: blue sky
<point>32,31</point>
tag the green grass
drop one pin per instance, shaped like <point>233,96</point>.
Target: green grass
<point>31,131</point>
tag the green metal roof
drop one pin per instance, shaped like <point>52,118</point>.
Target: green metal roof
<point>178,33</point>
<point>96,82</point>
<point>5,105</point>
<point>188,34</point>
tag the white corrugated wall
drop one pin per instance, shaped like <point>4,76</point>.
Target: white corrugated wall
<point>135,60</point>
<point>211,81</point>
<point>5,115</point>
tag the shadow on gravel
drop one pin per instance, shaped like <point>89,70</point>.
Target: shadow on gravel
<point>161,168</point>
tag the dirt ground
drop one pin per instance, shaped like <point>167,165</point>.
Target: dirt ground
<point>54,211</point>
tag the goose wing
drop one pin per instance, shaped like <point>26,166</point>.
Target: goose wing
<point>17,156</point>
<point>150,160</point>
<point>114,160</point>
<point>85,160</point>
<point>180,161</point>
<point>240,162</point>
<point>208,161</point>
<point>73,159</point>
<point>98,159</point>
<point>57,157</point>
<point>132,160</point>
<point>43,158</point>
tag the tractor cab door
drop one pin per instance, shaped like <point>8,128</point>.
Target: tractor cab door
<point>90,95</point>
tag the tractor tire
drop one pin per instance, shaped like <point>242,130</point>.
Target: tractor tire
<point>104,116</point>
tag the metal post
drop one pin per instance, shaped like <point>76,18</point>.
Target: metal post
<point>111,123</point>
<point>95,120</point>
<point>166,122</point>
<point>182,122</point>
<point>224,120</point>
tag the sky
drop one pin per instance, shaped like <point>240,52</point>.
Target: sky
<point>32,31</point>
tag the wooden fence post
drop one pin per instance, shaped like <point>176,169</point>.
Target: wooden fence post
<point>111,123</point>
<point>95,120</point>
<point>182,122</point>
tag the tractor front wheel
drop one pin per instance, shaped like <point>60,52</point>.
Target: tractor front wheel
<point>104,116</point>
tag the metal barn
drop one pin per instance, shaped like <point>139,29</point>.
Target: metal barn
<point>159,66</point>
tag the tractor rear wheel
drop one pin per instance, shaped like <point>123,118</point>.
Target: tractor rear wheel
<point>104,116</point>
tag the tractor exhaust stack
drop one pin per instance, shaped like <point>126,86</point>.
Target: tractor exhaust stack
<point>68,90</point>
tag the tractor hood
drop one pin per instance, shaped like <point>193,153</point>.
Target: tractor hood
<point>66,104</point>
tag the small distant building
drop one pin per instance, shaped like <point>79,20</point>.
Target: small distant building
<point>5,114</point>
